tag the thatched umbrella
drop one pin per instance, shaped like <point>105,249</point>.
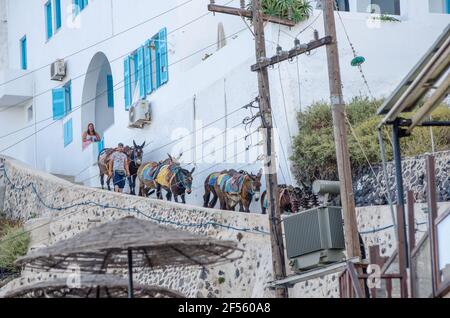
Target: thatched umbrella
<point>89,286</point>
<point>131,242</point>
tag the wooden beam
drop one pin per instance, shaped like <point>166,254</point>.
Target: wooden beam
<point>292,53</point>
<point>353,274</point>
<point>248,14</point>
<point>434,101</point>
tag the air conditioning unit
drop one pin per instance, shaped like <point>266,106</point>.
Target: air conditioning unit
<point>58,70</point>
<point>315,238</point>
<point>140,114</point>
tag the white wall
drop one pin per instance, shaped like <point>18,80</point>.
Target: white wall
<point>221,83</point>
<point>3,35</point>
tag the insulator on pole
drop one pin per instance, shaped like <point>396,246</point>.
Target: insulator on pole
<point>316,35</point>
<point>279,50</point>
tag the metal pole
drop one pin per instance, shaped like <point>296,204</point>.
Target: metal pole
<point>386,179</point>
<point>130,274</point>
<point>399,180</point>
<point>432,215</point>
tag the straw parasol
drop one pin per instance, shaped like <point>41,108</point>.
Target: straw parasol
<point>131,242</point>
<point>89,286</point>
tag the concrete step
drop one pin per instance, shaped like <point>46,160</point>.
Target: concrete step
<point>70,179</point>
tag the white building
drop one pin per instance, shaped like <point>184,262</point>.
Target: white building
<point>206,76</point>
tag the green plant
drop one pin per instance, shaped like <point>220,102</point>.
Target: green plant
<point>14,242</point>
<point>387,18</point>
<point>221,280</point>
<point>296,10</point>
<point>314,149</point>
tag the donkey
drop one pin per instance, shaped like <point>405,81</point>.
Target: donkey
<point>149,172</point>
<point>289,200</point>
<point>238,188</point>
<point>180,183</point>
<point>103,160</point>
<point>135,155</point>
<point>209,189</point>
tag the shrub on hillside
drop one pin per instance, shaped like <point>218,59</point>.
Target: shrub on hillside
<point>14,241</point>
<point>314,154</point>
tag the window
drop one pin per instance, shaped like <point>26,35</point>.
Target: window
<point>79,5</point>
<point>57,14</point>
<point>162,73</point>
<point>342,5</point>
<point>62,101</point>
<point>379,6</point>
<point>48,19</point>
<point>23,53</point>
<point>110,85</point>
<point>68,95</point>
<point>68,132</point>
<point>148,66</point>
<point>127,82</point>
<point>439,6</point>
<point>141,73</point>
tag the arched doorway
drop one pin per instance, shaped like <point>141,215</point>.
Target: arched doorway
<point>97,107</point>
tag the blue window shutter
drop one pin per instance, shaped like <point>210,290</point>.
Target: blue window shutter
<point>447,6</point>
<point>141,72</point>
<point>58,14</point>
<point>148,67</point>
<point>68,133</point>
<point>83,4</point>
<point>59,103</point>
<point>23,49</point>
<point>68,92</point>
<point>110,85</point>
<point>49,20</point>
<point>127,82</point>
<point>135,70</point>
<point>76,7</point>
<point>163,57</point>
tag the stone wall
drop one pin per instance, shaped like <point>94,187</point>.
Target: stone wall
<point>72,209</point>
<point>54,204</point>
<point>371,190</point>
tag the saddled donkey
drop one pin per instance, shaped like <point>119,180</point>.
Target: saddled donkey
<point>167,175</point>
<point>135,155</point>
<point>176,181</point>
<point>209,189</point>
<point>289,199</point>
<point>103,161</point>
<point>236,188</point>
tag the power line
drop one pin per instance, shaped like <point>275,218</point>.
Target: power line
<point>104,92</point>
<point>102,41</point>
<point>355,54</point>
<point>87,203</point>
<point>112,61</point>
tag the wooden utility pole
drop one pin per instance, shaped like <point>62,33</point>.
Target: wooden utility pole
<point>269,156</point>
<point>340,134</point>
<point>261,66</point>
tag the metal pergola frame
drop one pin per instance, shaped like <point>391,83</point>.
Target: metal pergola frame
<point>432,72</point>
